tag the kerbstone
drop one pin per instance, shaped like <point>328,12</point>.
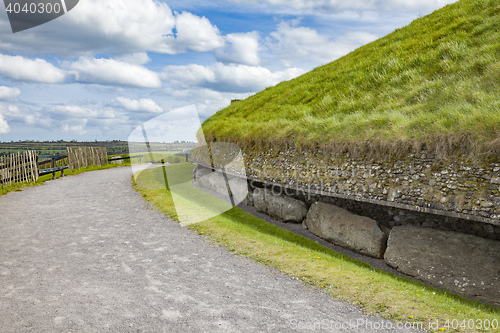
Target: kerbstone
<point>336,225</point>
<point>286,209</point>
<point>201,171</point>
<point>260,196</point>
<point>213,181</point>
<point>239,189</point>
<point>458,262</point>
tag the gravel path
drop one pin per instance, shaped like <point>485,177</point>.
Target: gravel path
<point>87,254</point>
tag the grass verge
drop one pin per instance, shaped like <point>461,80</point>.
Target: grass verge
<point>376,292</point>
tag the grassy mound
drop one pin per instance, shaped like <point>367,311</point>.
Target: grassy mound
<point>433,85</point>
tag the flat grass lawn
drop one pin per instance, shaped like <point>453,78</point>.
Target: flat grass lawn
<point>376,292</point>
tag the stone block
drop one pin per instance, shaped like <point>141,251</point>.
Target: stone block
<point>286,209</point>
<point>260,196</point>
<point>336,225</point>
<point>457,262</point>
<point>213,181</point>
<point>201,171</point>
<point>239,189</point>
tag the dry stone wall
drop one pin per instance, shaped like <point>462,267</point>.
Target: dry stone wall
<point>442,184</point>
<point>449,194</point>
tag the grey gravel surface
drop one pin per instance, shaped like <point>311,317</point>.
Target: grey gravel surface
<point>87,254</point>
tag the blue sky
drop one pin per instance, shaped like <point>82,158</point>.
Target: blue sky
<point>106,67</point>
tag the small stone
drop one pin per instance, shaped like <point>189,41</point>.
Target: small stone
<point>495,180</point>
<point>487,204</point>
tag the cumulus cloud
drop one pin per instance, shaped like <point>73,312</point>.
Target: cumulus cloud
<point>242,48</point>
<point>194,33</point>
<point>228,78</point>
<point>34,70</point>
<point>116,27</point>
<point>127,72</point>
<point>207,101</point>
<point>4,126</point>
<point>9,94</point>
<point>74,126</point>
<point>76,111</point>
<point>143,104</point>
<point>336,6</point>
<point>13,113</point>
<point>139,58</point>
<point>113,72</point>
<point>295,44</point>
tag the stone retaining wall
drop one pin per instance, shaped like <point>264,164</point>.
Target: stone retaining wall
<point>453,188</point>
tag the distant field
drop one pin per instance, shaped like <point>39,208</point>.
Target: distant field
<point>113,147</point>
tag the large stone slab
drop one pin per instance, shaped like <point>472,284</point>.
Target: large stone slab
<point>336,225</point>
<point>239,189</point>
<point>286,209</point>
<point>249,199</point>
<point>213,181</point>
<point>260,196</point>
<point>458,262</point>
<point>201,171</point>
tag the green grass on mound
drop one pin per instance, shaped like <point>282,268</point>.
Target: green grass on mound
<point>432,85</point>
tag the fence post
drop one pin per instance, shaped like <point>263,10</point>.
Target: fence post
<point>53,166</point>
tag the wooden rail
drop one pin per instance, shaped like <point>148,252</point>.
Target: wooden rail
<point>23,167</point>
<point>111,159</point>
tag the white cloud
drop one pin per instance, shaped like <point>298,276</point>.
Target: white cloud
<point>35,70</point>
<point>139,58</point>
<point>8,94</point>
<point>116,27</point>
<point>337,6</point>
<point>188,75</point>
<point>16,114</point>
<point>298,44</point>
<point>76,111</point>
<point>228,78</point>
<point>194,33</point>
<point>4,126</point>
<point>207,101</point>
<point>113,72</point>
<point>74,126</point>
<point>143,104</point>
<point>243,48</point>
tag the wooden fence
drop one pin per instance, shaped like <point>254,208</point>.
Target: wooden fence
<point>57,163</point>
<point>19,168</point>
<point>80,157</point>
